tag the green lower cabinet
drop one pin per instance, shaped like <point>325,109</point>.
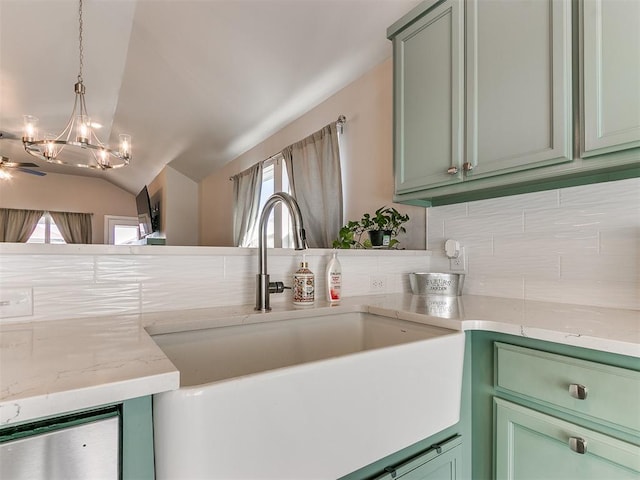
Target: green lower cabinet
<point>137,439</point>
<point>544,410</point>
<point>532,445</point>
<point>441,462</point>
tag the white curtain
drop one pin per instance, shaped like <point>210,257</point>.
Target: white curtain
<point>74,227</point>
<point>247,187</point>
<point>313,165</point>
<point>18,225</point>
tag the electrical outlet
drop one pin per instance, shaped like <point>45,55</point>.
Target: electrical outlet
<point>16,302</point>
<point>458,264</point>
<point>377,283</point>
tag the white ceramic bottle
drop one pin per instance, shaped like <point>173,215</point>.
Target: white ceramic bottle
<point>334,280</point>
<point>303,285</point>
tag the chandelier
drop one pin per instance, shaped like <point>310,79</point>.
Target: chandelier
<point>79,134</point>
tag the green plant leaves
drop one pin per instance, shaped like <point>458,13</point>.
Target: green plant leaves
<point>384,218</point>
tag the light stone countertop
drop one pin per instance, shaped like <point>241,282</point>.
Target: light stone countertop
<point>52,367</point>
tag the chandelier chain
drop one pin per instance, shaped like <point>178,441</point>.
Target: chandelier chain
<point>80,40</point>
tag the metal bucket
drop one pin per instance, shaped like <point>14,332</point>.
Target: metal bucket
<point>436,283</point>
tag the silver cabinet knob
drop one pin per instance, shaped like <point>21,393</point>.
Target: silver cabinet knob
<point>467,167</point>
<point>452,170</point>
<point>578,391</point>
<point>578,445</point>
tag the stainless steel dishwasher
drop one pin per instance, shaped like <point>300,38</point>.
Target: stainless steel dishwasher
<point>83,446</point>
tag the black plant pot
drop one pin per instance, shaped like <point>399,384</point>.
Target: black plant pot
<point>379,238</point>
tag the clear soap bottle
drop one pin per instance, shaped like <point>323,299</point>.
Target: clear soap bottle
<point>303,285</point>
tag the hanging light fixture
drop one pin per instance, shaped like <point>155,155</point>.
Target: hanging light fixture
<point>78,133</point>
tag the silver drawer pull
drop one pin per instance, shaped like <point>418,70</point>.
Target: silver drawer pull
<point>578,391</point>
<point>452,170</point>
<point>578,445</point>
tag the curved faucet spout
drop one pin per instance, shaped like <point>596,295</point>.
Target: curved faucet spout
<point>263,286</point>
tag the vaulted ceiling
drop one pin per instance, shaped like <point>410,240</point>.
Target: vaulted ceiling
<point>195,82</point>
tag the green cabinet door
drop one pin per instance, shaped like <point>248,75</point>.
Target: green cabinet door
<point>611,75</point>
<point>518,85</point>
<point>429,100</point>
<point>530,445</point>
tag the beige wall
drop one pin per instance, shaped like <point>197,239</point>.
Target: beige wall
<point>367,159</point>
<point>178,199</point>
<point>68,193</point>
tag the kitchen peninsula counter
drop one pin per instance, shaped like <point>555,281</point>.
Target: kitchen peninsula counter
<point>52,367</point>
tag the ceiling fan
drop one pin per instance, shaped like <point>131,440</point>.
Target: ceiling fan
<point>6,164</point>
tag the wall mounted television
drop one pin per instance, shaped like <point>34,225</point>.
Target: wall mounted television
<point>145,214</point>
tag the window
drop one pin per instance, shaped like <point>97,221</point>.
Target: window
<point>120,230</point>
<point>46,232</point>
<point>275,179</point>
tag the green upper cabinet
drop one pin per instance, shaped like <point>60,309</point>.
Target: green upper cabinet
<point>429,106</point>
<point>611,75</point>
<point>518,112</point>
<point>491,96</point>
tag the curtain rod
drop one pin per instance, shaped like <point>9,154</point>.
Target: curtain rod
<point>339,123</point>
<point>44,210</point>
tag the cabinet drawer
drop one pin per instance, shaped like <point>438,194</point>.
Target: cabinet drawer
<point>612,393</point>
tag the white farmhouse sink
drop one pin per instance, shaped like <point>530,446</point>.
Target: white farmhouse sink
<point>307,398</point>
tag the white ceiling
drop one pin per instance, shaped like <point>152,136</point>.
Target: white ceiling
<point>195,82</point>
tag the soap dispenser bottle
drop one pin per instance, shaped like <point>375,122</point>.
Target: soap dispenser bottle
<point>303,285</point>
<point>334,280</point>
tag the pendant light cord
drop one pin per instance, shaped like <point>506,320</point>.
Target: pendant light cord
<point>80,41</point>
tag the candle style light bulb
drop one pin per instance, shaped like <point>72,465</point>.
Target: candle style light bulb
<point>50,147</point>
<point>83,129</point>
<point>30,128</point>
<point>125,146</point>
<point>103,158</point>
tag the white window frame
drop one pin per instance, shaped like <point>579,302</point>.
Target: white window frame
<point>279,184</point>
<point>46,216</point>
<point>112,221</point>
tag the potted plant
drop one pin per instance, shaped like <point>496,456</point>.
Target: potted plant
<point>382,227</point>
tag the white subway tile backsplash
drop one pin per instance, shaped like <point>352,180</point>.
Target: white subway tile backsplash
<point>623,193</point>
<point>113,268</point>
<point>391,265</point>
<point>564,220</point>
<point>609,268</point>
<point>493,286</point>
<point>448,211</point>
<point>435,231</point>
<point>107,281</point>
<point>522,265</point>
<point>85,300</point>
<point>585,291</point>
<point>561,242</point>
<point>621,241</point>
<point>484,225</point>
<point>171,295</point>
<point>188,269</point>
<point>572,245</point>
<point>46,269</point>
<point>516,203</point>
